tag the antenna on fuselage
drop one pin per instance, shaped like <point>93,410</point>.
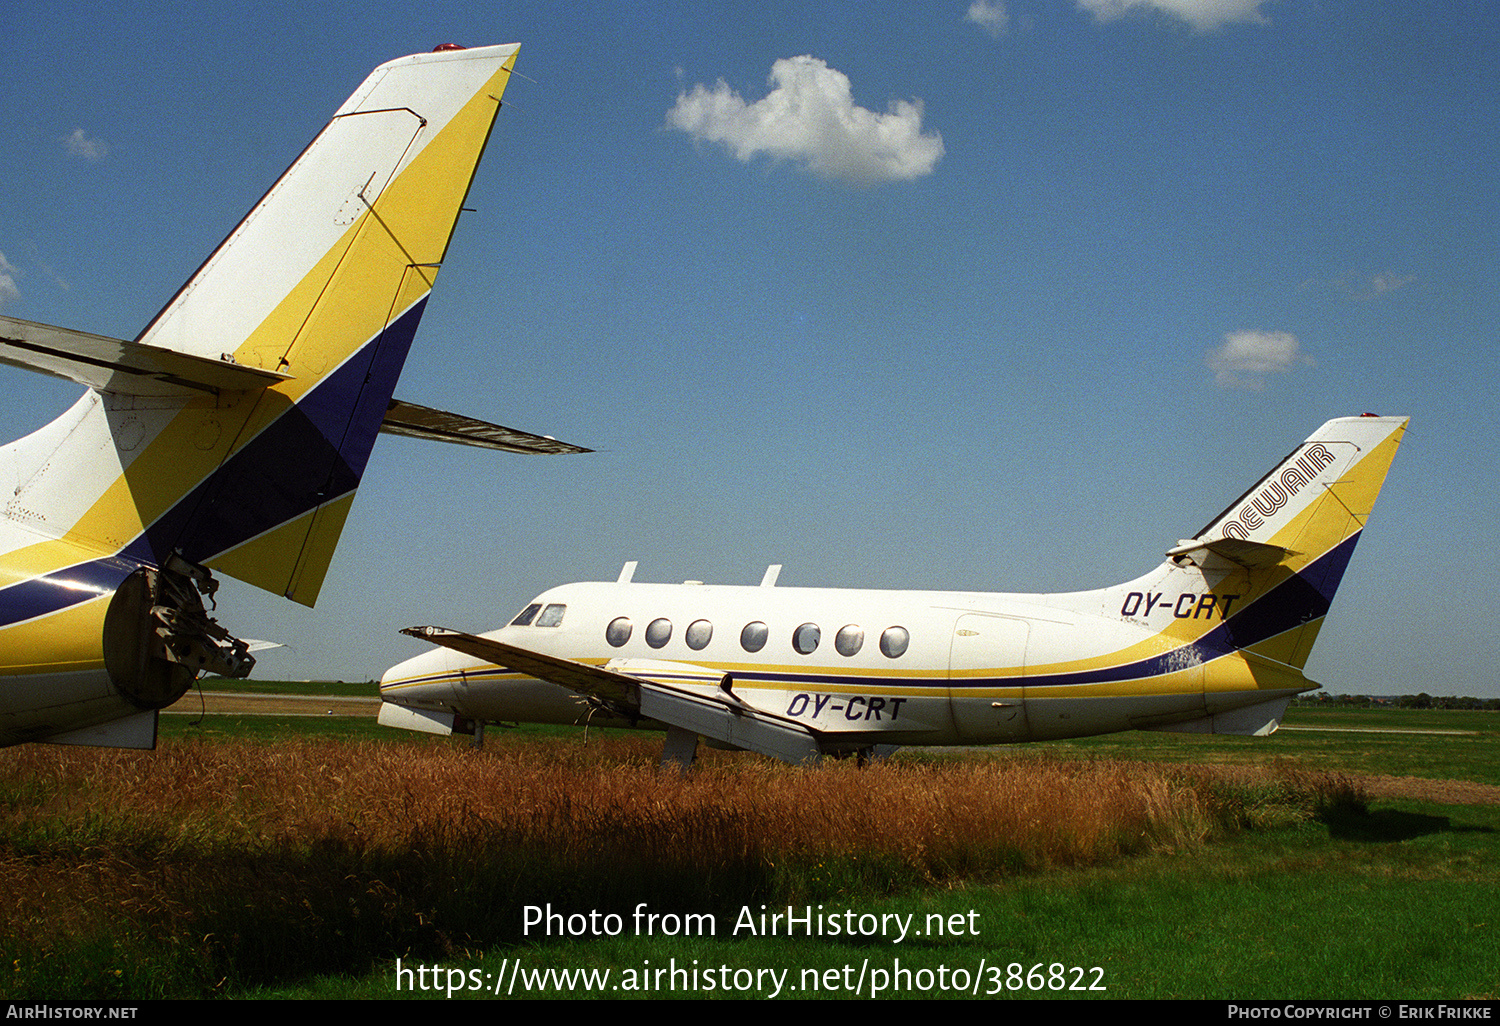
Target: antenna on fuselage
<point>627,572</point>
<point>772,572</point>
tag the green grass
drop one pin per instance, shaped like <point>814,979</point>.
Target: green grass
<point>1436,744</point>
<point>1407,907</point>
<point>1431,743</point>
<point>227,726</point>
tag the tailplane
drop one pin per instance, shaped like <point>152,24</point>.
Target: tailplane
<point>231,435</point>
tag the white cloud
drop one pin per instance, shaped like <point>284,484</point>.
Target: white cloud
<point>1246,357</point>
<point>1202,15</point>
<point>80,144</point>
<point>989,16</point>
<point>8,289</point>
<point>810,117</point>
<point>1380,284</point>
<point>1361,286</point>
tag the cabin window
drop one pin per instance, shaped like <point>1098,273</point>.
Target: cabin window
<point>698,634</point>
<point>753,637</point>
<point>525,616</point>
<point>805,638</point>
<point>893,642</point>
<point>552,615</point>
<point>849,640</point>
<point>659,632</point>
<point>618,631</point>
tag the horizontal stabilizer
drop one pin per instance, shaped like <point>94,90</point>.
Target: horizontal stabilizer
<point>115,365</point>
<point>1249,554</point>
<point>403,418</point>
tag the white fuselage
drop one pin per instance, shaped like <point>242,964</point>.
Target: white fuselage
<point>1213,639</point>
<point>897,667</point>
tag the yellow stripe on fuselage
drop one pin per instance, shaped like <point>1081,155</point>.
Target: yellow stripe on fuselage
<point>70,639</point>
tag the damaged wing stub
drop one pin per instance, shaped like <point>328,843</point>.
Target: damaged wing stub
<point>158,637</point>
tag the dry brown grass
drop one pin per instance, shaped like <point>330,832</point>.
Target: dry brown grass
<point>252,859</point>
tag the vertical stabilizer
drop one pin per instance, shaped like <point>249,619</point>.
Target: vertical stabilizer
<point>324,281</point>
<point>1277,554</point>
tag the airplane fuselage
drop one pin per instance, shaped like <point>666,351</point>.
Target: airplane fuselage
<point>872,667</point>
<point>1213,639</point>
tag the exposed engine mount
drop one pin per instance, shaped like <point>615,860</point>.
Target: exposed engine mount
<point>158,637</point>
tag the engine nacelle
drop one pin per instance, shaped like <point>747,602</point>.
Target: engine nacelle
<point>158,637</point>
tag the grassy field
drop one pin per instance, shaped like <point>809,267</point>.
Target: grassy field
<point>303,856</point>
<point>1430,743</point>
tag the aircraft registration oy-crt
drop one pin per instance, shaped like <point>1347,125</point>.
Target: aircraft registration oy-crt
<point>232,433</point>
<point>1214,639</point>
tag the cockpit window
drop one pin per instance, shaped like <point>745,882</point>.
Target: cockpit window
<point>552,615</point>
<point>525,616</point>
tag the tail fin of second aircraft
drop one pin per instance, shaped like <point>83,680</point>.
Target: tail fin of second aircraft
<point>313,299</point>
<point>1268,566</point>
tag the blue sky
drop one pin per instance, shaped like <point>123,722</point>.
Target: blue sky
<point>991,296</point>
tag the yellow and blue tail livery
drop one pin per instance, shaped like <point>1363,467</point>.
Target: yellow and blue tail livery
<point>231,434</point>
<point>1213,639</point>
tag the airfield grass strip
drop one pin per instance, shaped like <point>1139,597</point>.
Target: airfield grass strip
<point>211,865</point>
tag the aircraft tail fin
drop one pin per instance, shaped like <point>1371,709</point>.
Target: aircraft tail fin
<point>326,280</point>
<point>1322,493</point>
<point>1274,558</point>
<point>310,306</point>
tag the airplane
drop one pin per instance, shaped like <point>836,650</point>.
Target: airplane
<point>1213,640</point>
<point>231,434</point>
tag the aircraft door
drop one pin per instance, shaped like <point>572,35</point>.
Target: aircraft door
<point>986,665</point>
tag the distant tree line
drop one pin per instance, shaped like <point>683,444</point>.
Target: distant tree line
<point>1418,701</point>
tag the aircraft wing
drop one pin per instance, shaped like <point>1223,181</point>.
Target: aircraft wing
<point>619,690</point>
<point>403,418</point>
<point>115,365</point>
<point>721,715</point>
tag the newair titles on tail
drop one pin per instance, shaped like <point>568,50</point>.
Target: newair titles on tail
<point>231,434</point>
<point>1213,639</point>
